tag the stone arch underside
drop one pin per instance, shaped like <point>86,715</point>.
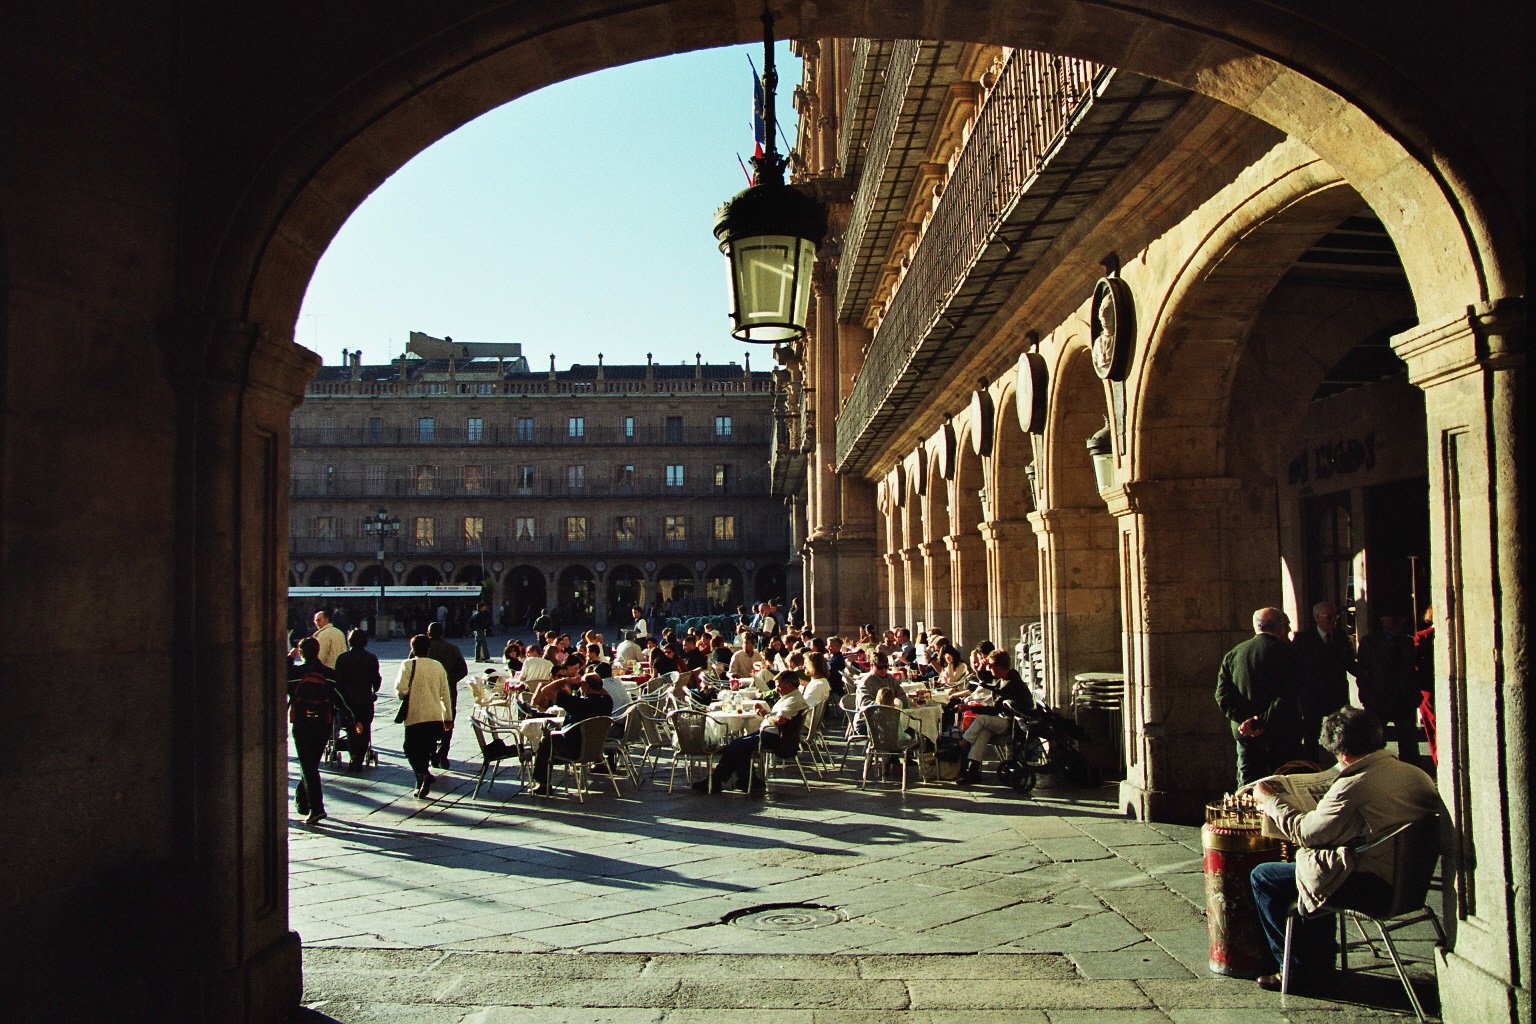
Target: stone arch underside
<point>1458,247</point>
<point>1013,583</point>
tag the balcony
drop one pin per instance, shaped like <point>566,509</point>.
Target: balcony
<point>1053,134</point>
<point>405,488</point>
<point>510,437</point>
<point>361,549</point>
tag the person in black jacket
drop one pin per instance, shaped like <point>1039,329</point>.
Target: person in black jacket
<point>480,626</point>
<point>1388,688</point>
<point>358,679</point>
<point>590,701</point>
<point>448,655</point>
<point>1327,656</point>
<point>1007,687</point>
<point>1257,690</point>
<point>312,699</point>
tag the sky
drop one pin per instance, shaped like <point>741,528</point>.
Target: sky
<point>575,220</point>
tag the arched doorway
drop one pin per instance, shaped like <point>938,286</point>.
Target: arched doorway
<point>368,576</point>
<point>526,594</point>
<point>326,576</point>
<point>769,583</point>
<point>576,598</point>
<point>626,590</point>
<point>675,589</point>
<point>1014,555</point>
<point>724,587</point>
<point>306,167</point>
<point>423,576</point>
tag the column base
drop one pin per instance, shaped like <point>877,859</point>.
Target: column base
<point>1470,995</point>
<point>1176,807</point>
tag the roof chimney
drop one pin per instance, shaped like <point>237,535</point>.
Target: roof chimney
<point>599,366</point>
<point>698,365</point>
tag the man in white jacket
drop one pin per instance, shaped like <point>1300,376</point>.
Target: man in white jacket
<point>1371,793</point>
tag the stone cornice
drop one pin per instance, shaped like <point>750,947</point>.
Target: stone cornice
<point>1487,336</point>
<point>1184,493</point>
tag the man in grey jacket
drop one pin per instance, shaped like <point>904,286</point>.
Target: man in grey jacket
<point>1372,792</point>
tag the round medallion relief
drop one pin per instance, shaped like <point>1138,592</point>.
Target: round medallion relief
<point>1030,393</point>
<point>983,419</point>
<point>1113,329</point>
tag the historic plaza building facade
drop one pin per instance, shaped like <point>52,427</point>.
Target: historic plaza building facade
<point>1219,217</point>
<point>583,490</point>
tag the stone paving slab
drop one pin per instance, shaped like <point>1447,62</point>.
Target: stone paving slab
<point>973,906</point>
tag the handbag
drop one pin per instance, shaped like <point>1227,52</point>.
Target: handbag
<point>405,702</point>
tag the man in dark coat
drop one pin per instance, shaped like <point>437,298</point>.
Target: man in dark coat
<point>1388,688</point>
<point>448,655</point>
<point>358,678</point>
<point>480,628</point>
<point>1257,689</point>
<point>1327,661</point>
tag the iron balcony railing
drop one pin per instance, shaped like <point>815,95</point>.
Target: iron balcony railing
<point>350,486</point>
<point>512,436</point>
<point>1029,112</point>
<point>480,388</point>
<point>363,551</point>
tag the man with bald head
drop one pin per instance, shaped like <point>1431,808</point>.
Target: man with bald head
<point>1258,689</point>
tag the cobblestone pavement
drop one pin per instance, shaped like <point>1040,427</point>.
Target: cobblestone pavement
<point>954,905</point>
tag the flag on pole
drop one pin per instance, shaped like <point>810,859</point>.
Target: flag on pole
<point>759,136</point>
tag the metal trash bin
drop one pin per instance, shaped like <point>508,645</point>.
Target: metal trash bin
<point>1233,844</point>
<point>1098,706</point>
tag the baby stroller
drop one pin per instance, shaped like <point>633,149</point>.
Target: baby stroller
<point>341,732</point>
<point>1044,742</point>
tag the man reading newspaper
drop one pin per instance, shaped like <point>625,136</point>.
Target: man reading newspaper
<point>1368,793</point>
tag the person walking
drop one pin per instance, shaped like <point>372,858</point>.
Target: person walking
<point>1388,688</point>
<point>358,680</point>
<point>480,628</point>
<point>1327,660</point>
<point>332,641</point>
<point>312,700</point>
<point>447,654</point>
<point>1257,689</point>
<point>426,708</point>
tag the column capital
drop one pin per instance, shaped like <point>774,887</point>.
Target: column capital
<point>934,548</point>
<point>1487,335</point>
<point>1054,520</point>
<point>1006,531</point>
<point>960,542</point>
<point>201,351</point>
<point>1136,497</point>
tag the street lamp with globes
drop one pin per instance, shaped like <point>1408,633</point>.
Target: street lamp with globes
<point>379,526</point>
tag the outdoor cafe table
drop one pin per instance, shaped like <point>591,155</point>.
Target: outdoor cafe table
<point>533,729</point>
<point>725,724</point>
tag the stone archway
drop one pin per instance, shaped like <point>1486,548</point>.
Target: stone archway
<point>1013,587</point>
<point>971,543</point>
<point>937,561</point>
<point>187,344</point>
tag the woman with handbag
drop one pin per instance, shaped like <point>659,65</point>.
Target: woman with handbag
<point>426,708</point>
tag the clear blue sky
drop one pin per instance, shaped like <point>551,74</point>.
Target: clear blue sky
<point>575,220</point>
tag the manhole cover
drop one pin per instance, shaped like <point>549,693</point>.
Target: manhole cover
<point>785,917</point>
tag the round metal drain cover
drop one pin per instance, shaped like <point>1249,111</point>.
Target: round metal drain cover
<point>785,917</point>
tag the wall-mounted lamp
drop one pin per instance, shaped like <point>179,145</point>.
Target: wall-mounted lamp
<point>1102,451</point>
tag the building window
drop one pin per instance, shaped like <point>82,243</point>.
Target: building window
<point>426,479</point>
<point>576,427</point>
<point>474,430</point>
<point>725,527</point>
<point>474,531</point>
<point>474,479</point>
<point>437,389</point>
<point>378,479</point>
<point>525,428</point>
<point>674,430</point>
<point>522,478</point>
<point>624,478</point>
<point>426,531</point>
<point>525,528</point>
<point>724,477</point>
<point>575,528</point>
<point>675,475</point>
<point>325,527</point>
<point>375,429</point>
<point>576,477</point>
<point>675,528</point>
<point>624,528</point>
<point>722,426</point>
<point>485,389</point>
<point>426,428</point>
<point>628,428</point>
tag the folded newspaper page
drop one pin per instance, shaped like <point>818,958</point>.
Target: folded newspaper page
<point>1304,790</point>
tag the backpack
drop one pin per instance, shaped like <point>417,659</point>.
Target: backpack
<point>310,701</point>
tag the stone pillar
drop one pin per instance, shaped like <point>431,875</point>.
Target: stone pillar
<point>911,582</point>
<point>1472,369</point>
<point>1012,592</point>
<point>228,893</point>
<point>937,579</point>
<point>896,597</point>
<point>1079,602</point>
<point>1191,551</point>
<point>968,560</point>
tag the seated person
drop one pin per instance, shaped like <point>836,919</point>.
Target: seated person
<point>697,688</point>
<point>1372,793</point>
<point>818,687</point>
<point>737,756</point>
<point>878,677</point>
<point>589,701</point>
<point>628,650</point>
<point>536,667</point>
<point>1004,684</point>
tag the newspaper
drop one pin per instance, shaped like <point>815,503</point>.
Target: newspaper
<point>1303,790</point>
